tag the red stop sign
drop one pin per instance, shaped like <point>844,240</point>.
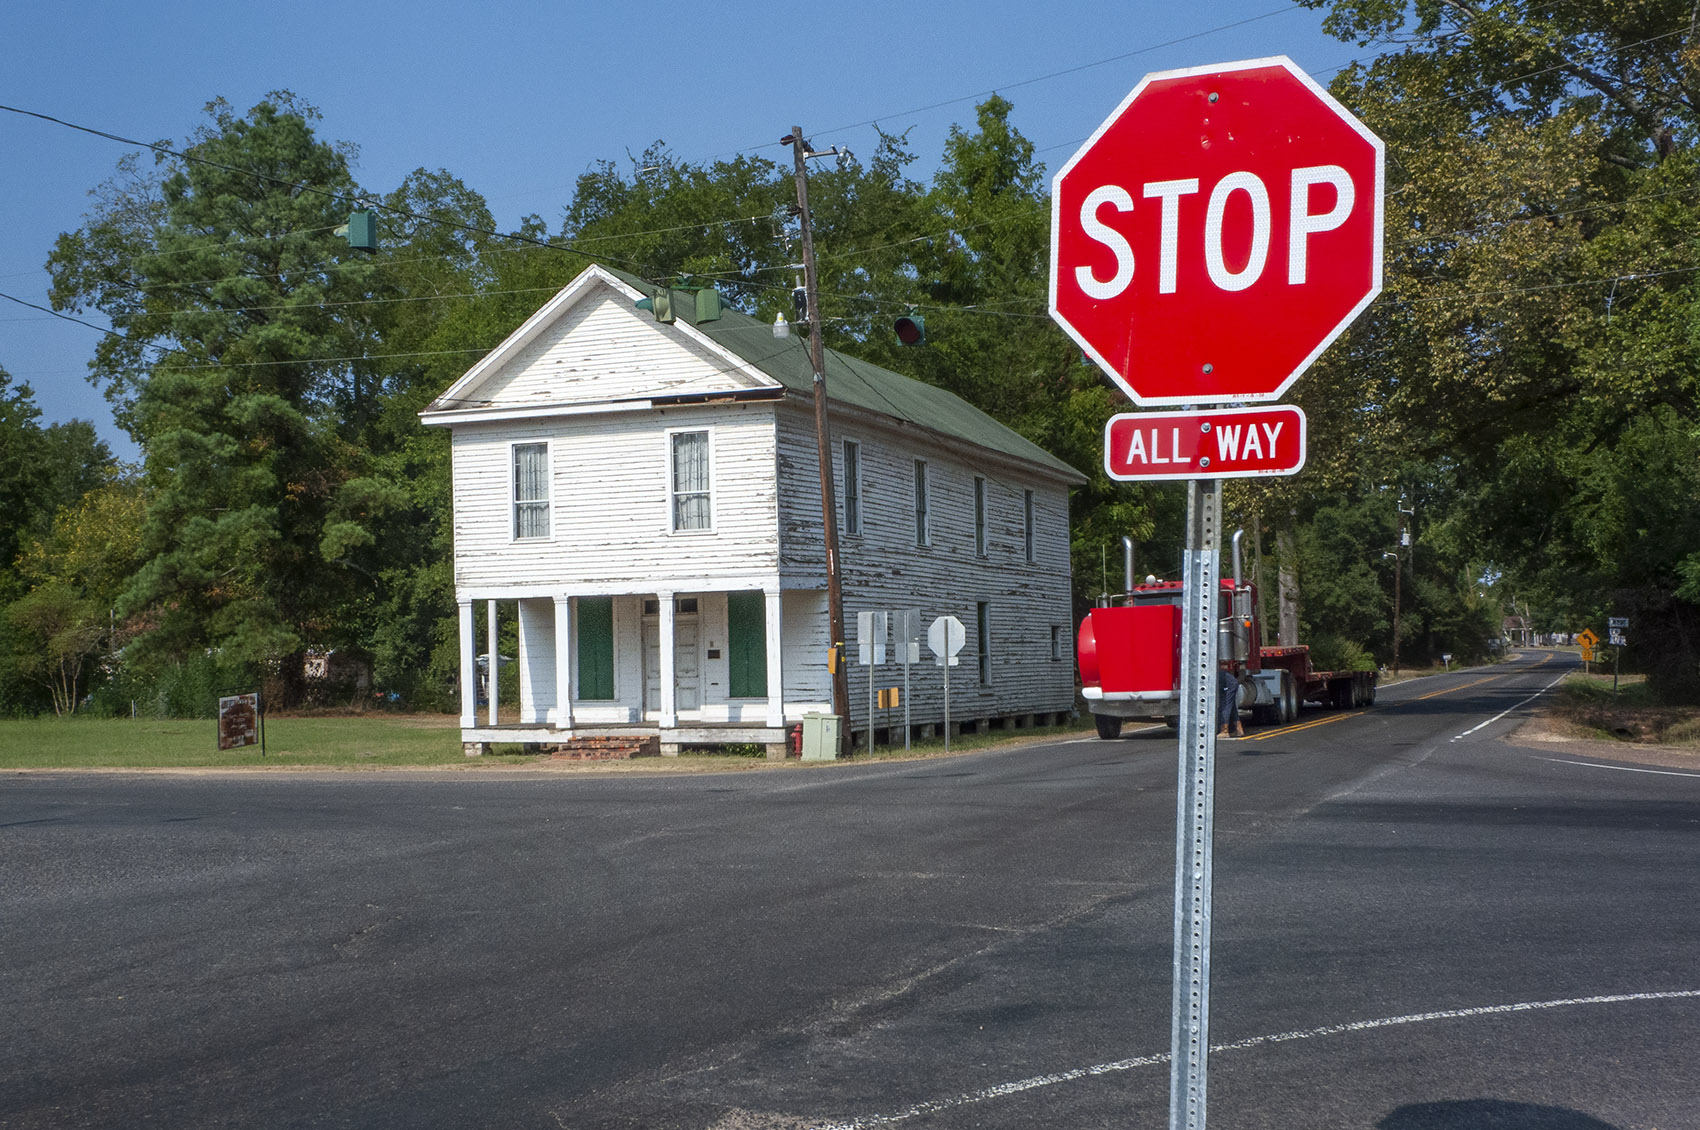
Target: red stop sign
<point>1217,232</point>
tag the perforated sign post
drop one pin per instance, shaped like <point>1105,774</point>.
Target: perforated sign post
<point>907,628</point>
<point>945,637</point>
<point>872,628</point>
<point>1208,242</point>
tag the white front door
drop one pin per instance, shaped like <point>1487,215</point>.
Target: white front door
<point>687,663</point>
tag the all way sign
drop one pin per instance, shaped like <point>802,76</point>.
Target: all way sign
<point>1224,443</point>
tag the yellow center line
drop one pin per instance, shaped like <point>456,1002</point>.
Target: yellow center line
<point>1302,726</point>
<point>1450,690</point>
<point>1293,729</point>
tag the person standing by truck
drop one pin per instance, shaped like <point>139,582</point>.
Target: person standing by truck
<point>1227,705</point>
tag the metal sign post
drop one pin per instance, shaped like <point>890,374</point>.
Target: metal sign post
<point>1189,1041</point>
<point>1615,627</point>
<point>871,631</point>
<point>945,662</point>
<point>1186,144</point>
<point>946,637</point>
<point>908,627</point>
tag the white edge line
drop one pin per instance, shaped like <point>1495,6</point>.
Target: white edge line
<point>934,1106</point>
<point>1620,768</point>
<point>1509,709</point>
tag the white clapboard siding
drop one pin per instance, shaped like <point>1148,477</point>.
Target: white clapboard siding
<point>609,503</point>
<point>883,569</point>
<point>581,377</point>
<point>601,349</point>
<point>804,642</point>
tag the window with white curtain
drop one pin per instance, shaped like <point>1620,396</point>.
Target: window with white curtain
<point>531,490</point>
<point>692,503</point>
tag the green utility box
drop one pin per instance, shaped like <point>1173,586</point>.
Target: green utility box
<point>820,737</point>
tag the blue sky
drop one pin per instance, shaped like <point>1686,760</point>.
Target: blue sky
<point>518,100</point>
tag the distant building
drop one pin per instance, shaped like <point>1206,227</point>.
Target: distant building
<point>647,494</point>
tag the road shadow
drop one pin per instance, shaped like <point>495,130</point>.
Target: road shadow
<point>1252,749</point>
<point>1489,1114</point>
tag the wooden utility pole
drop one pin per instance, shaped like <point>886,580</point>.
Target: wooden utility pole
<point>823,443</point>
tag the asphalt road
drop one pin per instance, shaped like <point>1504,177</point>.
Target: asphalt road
<point>1417,927</point>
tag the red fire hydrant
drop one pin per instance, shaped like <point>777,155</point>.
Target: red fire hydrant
<point>797,741</point>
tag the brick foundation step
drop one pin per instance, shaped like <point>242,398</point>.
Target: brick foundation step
<point>605,748</point>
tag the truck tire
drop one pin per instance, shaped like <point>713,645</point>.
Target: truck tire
<point>1109,727</point>
<point>1289,700</point>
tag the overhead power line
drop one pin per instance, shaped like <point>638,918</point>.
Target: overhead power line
<point>1046,77</point>
<point>529,243</point>
<point>299,186</point>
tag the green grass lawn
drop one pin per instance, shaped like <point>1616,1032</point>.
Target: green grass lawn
<point>114,743</point>
<point>1626,709</point>
<point>353,742</point>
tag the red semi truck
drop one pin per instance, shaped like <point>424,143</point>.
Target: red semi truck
<point>1130,659</point>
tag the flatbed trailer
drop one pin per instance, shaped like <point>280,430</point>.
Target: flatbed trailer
<point>1342,690</point>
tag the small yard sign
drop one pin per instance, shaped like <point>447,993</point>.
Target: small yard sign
<point>240,723</point>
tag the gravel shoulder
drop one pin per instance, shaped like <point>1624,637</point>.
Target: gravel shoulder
<point>1548,733</point>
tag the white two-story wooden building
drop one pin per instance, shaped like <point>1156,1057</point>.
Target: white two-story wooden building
<point>646,492</point>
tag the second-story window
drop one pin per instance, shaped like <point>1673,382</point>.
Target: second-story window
<point>1027,521</point>
<point>691,500</point>
<point>852,487</point>
<point>921,533</point>
<point>979,516</point>
<point>531,490</point>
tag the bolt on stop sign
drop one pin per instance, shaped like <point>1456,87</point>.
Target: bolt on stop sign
<point>1217,232</point>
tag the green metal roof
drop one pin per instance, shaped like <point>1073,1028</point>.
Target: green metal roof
<point>859,384</point>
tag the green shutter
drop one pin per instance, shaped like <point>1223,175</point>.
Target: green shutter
<point>746,644</point>
<point>595,647</point>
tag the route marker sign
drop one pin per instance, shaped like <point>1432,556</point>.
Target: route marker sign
<point>1217,232</point>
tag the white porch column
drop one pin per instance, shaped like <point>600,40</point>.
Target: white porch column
<point>775,671</point>
<point>537,662</point>
<point>494,658</point>
<point>565,662</point>
<point>468,667</point>
<point>669,668</point>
